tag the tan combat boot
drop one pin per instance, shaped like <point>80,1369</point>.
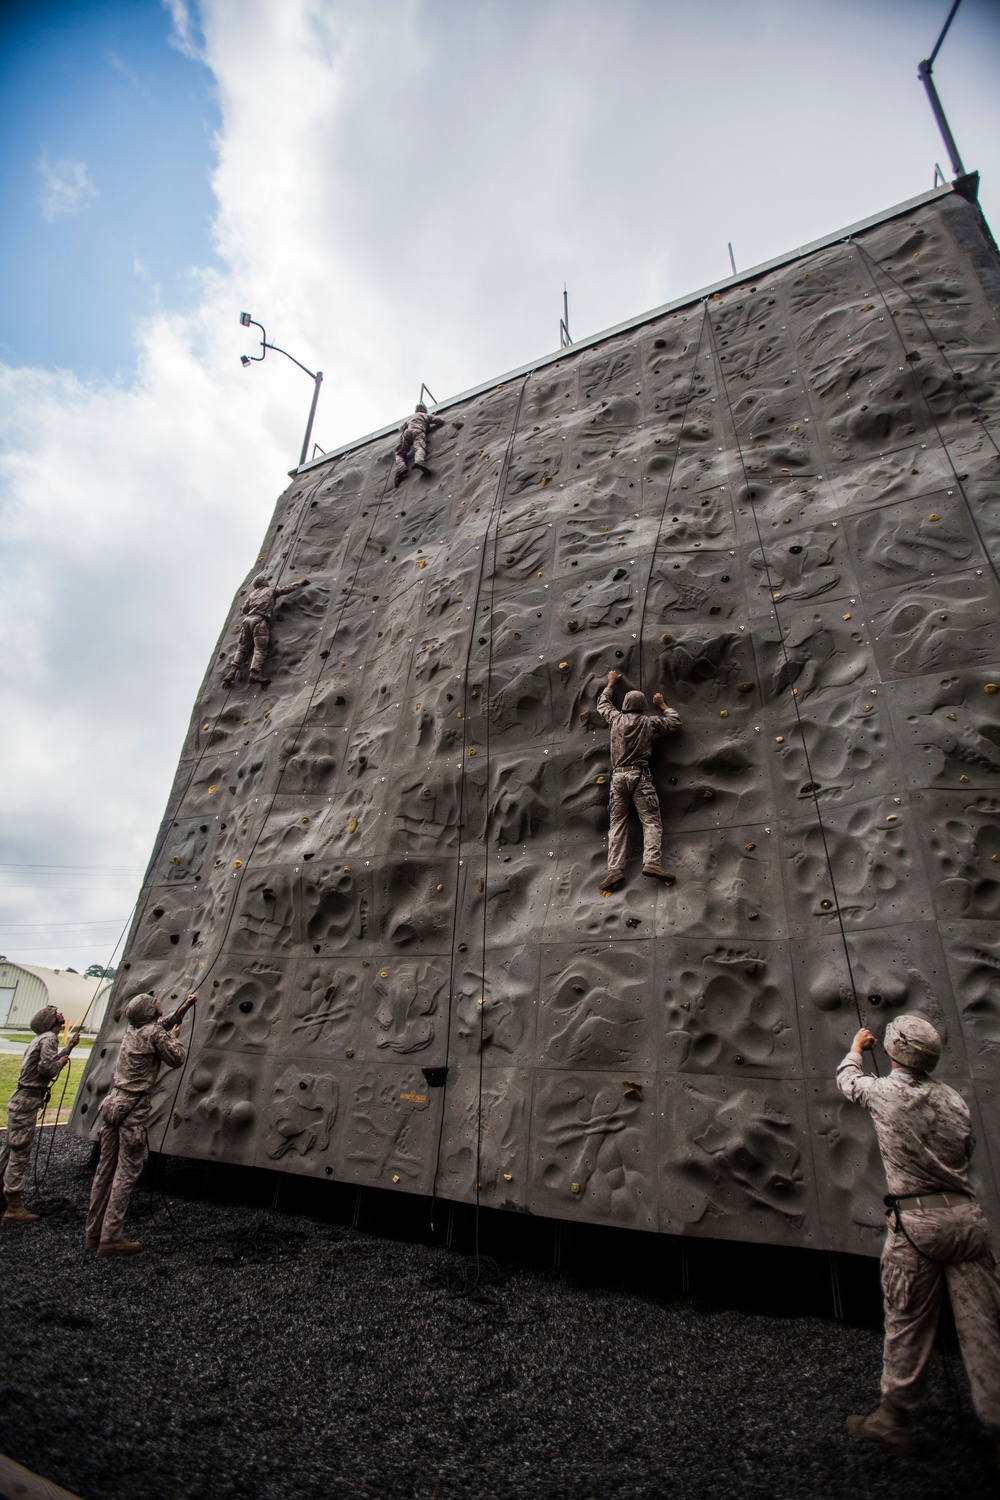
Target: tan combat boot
<point>888,1428</point>
<point>119,1247</point>
<point>612,880</point>
<point>16,1213</point>
<point>657,872</point>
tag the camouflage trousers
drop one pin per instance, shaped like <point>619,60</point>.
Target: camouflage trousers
<point>633,787</point>
<point>22,1116</point>
<point>254,631</point>
<point>123,1151</point>
<point>959,1241</point>
<point>419,446</point>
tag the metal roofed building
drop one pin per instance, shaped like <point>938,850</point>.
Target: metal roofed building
<point>25,988</point>
<point>774,500</point>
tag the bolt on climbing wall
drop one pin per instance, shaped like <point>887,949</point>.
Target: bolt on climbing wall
<point>775,504</point>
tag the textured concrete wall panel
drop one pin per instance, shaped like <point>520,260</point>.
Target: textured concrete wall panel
<point>777,505</point>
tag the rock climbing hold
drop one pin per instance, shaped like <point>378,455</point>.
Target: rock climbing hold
<point>845,617</point>
<point>631,1089</point>
<point>868,707</point>
<point>601,780</point>
<point>211,790</point>
<point>479,885</point>
<point>574,1187</point>
<point>237,864</point>
<point>723,713</point>
<point>779,739</point>
<point>383,974</point>
<point>991,687</point>
<point>963,778</point>
<point>564,666</point>
<point>826,905</point>
<point>439,887</point>
<point>508,1177</point>
<point>473,750</point>
<point>347,870</point>
<point>752,916</point>
<point>352,826</point>
<point>737,1057</point>
<point>421,564</point>
<point>891,817</point>
<point>749,847</point>
<point>395,1176</point>
<point>665,640</point>
<point>933,516</point>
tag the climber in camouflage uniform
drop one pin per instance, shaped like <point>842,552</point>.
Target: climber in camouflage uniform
<point>414,433</point>
<point>43,1061</point>
<point>125,1114</point>
<point>633,731</point>
<point>255,627</point>
<point>937,1231</point>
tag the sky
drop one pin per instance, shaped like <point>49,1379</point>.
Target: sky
<point>398,192</point>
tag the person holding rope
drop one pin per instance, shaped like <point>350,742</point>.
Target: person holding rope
<point>125,1111</point>
<point>414,433</point>
<point>255,627</point>
<point>633,731</point>
<point>937,1231</point>
<point>42,1063</point>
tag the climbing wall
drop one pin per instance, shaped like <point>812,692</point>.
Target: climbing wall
<point>777,505</point>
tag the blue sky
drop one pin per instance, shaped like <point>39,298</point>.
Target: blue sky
<point>84,255</point>
<point>398,190</point>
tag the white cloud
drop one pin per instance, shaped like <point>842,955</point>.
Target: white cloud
<point>402,190</point>
<point>65,185</point>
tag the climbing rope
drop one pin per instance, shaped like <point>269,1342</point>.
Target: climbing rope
<point>206,973</point>
<point>918,388</point>
<point>492,523</point>
<point>666,498</point>
<point>813,785</point>
<point>168,822</point>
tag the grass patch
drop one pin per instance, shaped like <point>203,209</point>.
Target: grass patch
<point>29,1036</point>
<point>11,1066</point>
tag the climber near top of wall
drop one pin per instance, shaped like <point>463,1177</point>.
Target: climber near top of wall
<point>125,1116</point>
<point>255,627</point>
<point>937,1231</point>
<point>633,731</point>
<point>42,1063</point>
<point>414,433</point>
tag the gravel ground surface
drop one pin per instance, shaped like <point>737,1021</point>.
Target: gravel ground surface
<point>254,1354</point>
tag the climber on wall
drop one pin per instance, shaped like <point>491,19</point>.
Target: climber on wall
<point>633,731</point>
<point>937,1232</point>
<point>42,1063</point>
<point>255,627</point>
<point>414,433</point>
<point>125,1114</point>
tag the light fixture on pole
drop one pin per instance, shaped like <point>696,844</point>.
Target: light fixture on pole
<point>316,377</point>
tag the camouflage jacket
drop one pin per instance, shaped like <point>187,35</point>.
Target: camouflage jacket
<point>262,601</point>
<point>924,1128</point>
<point>632,735</point>
<point>43,1061</point>
<point>142,1050</point>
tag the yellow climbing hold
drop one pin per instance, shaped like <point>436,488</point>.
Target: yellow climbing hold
<point>237,864</point>
<point>723,713</point>
<point>564,666</point>
<point>990,687</point>
<point>384,974</point>
<point>891,817</point>
<point>352,826</point>
<point>421,564</point>
<point>779,739</point>
<point>211,790</point>
<point>963,778</point>
<point>933,516</point>
<point>845,617</point>
<point>749,847</point>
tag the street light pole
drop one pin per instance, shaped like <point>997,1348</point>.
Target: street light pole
<point>315,376</point>
<point>924,70</point>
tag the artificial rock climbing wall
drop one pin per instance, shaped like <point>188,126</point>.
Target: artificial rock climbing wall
<point>778,505</point>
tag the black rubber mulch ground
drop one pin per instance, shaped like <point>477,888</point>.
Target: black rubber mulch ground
<point>253,1354</point>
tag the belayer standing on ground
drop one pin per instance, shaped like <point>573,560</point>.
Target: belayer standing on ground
<point>43,1061</point>
<point>255,627</point>
<point>633,731</point>
<point>937,1231</point>
<point>125,1115</point>
<point>414,433</point>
